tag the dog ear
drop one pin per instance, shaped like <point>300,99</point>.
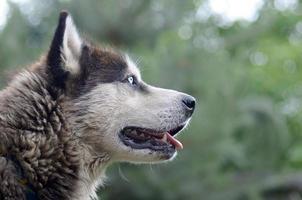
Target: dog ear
<point>65,50</point>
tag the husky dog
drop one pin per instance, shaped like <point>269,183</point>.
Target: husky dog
<point>76,111</point>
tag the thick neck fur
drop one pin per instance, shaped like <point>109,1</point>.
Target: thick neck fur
<point>36,131</point>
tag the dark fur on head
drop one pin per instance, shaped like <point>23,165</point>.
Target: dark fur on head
<point>98,66</point>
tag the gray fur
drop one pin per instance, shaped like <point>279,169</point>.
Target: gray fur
<point>60,119</point>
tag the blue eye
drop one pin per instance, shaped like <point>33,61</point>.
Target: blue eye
<point>131,80</point>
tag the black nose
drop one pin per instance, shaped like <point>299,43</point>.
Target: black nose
<point>189,103</point>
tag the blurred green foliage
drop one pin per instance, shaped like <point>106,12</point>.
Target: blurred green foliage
<point>246,135</point>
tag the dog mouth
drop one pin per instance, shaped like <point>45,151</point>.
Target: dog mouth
<point>143,138</point>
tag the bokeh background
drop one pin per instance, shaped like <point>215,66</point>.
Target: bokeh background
<point>242,60</point>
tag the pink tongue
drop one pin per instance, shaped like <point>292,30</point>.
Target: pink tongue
<point>174,141</point>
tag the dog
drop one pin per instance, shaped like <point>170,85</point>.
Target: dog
<point>77,110</point>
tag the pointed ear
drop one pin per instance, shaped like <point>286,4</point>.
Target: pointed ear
<point>65,49</point>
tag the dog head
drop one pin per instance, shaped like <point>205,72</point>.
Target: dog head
<point>111,109</point>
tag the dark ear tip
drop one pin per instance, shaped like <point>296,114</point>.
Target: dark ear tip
<point>63,14</point>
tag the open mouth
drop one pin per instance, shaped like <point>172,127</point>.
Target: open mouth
<point>142,138</point>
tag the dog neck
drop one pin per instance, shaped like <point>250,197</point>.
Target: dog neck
<point>93,164</point>
<point>91,173</point>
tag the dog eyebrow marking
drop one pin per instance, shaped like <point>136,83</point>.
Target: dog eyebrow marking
<point>132,68</point>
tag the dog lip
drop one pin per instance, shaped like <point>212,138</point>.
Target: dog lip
<point>149,143</point>
<point>157,133</point>
<point>176,130</point>
<point>144,131</point>
<point>146,138</point>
